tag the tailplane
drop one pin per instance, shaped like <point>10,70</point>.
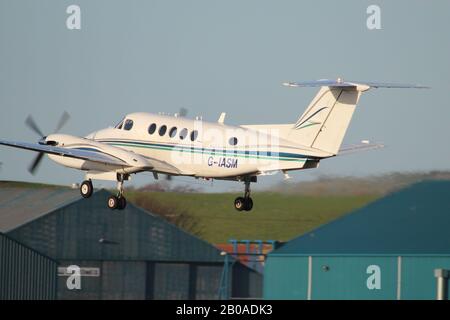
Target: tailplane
<point>324,123</point>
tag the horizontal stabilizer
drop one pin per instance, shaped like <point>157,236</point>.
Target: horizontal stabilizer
<point>360,85</point>
<point>363,146</point>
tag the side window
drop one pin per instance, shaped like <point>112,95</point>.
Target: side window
<point>128,124</point>
<point>162,130</point>
<point>152,128</point>
<point>173,132</point>
<point>183,133</point>
<point>233,141</point>
<point>194,135</point>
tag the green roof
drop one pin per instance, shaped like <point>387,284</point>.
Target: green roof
<point>60,224</point>
<point>415,220</point>
<point>22,204</point>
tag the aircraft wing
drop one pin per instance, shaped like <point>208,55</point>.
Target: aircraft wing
<point>67,152</point>
<point>363,146</point>
<point>164,167</point>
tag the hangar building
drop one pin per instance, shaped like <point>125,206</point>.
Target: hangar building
<point>386,250</point>
<point>128,254</point>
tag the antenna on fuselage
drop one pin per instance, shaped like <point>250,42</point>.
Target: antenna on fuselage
<point>222,118</point>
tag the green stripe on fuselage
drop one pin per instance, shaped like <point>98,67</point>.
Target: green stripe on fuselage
<point>207,152</point>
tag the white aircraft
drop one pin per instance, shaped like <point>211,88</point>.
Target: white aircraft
<point>174,145</point>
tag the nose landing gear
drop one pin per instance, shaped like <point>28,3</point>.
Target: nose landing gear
<point>244,203</point>
<point>86,189</point>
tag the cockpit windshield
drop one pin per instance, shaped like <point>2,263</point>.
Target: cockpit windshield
<point>120,124</point>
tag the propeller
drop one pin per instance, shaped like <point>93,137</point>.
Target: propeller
<point>34,127</point>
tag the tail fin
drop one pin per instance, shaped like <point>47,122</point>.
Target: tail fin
<point>324,123</point>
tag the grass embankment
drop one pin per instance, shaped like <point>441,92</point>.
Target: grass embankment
<point>274,216</point>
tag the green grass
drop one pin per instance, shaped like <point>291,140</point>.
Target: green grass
<point>274,216</point>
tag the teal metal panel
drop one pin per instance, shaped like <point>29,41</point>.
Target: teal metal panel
<point>207,281</point>
<point>124,280</point>
<point>343,278</point>
<point>171,281</point>
<point>417,280</point>
<point>286,278</point>
<point>24,273</point>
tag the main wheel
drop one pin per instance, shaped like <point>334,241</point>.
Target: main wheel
<point>122,203</point>
<point>86,189</point>
<point>239,203</point>
<point>113,202</point>
<point>248,204</point>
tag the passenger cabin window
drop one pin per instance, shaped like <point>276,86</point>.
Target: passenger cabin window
<point>194,135</point>
<point>152,128</point>
<point>173,132</point>
<point>128,124</point>
<point>183,133</point>
<point>233,141</point>
<point>162,130</point>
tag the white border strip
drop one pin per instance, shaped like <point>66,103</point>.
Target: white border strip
<point>309,277</point>
<point>399,278</point>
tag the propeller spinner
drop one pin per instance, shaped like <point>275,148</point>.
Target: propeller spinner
<point>34,127</point>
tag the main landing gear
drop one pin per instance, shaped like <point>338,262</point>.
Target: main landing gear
<point>119,201</point>
<point>245,203</point>
<point>114,202</point>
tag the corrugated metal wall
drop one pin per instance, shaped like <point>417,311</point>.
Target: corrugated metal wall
<point>145,280</point>
<point>352,277</point>
<point>24,273</point>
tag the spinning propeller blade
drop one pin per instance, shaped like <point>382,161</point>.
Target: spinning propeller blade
<point>34,165</point>
<point>33,126</point>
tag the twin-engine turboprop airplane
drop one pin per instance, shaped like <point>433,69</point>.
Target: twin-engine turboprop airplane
<point>179,146</point>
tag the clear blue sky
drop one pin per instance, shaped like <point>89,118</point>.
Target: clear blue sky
<point>213,56</point>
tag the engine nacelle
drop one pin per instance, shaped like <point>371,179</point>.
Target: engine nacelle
<point>132,161</point>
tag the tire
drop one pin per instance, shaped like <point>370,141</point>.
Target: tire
<point>113,202</point>
<point>239,203</point>
<point>86,189</point>
<point>122,203</point>
<point>248,204</point>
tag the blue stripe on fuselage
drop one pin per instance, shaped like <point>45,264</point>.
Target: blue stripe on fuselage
<point>215,151</point>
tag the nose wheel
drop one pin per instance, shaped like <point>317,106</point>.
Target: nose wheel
<point>244,203</point>
<point>86,189</point>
